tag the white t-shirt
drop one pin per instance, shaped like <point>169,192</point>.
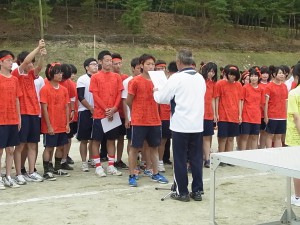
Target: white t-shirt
<point>39,83</point>
<point>125,93</point>
<point>185,90</point>
<point>84,82</point>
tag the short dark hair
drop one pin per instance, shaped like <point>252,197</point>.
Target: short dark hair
<point>145,57</point>
<point>134,62</point>
<point>296,72</point>
<point>160,61</point>
<point>172,67</point>
<point>73,69</point>
<point>206,68</point>
<point>185,56</point>
<point>4,53</point>
<point>232,70</point>
<point>88,61</point>
<point>21,57</point>
<point>103,53</point>
<point>52,69</point>
<point>66,71</point>
<point>116,56</point>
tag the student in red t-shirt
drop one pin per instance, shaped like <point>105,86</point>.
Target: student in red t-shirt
<point>265,79</point>
<point>55,101</point>
<point>276,108</point>
<point>145,121</point>
<point>10,119</point>
<point>106,88</point>
<point>209,73</point>
<point>228,107</point>
<point>253,100</point>
<point>30,112</point>
<point>116,68</point>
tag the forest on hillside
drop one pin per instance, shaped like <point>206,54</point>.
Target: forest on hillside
<point>264,14</point>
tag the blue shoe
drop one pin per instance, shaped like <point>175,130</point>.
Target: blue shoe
<point>132,181</point>
<point>160,178</point>
<point>148,173</point>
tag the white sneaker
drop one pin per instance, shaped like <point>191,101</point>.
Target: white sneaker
<point>20,179</point>
<point>295,201</point>
<point>85,167</point>
<point>161,167</point>
<point>35,177</point>
<point>27,178</point>
<point>10,182</point>
<point>113,171</point>
<point>100,171</point>
<point>2,187</point>
<point>91,162</point>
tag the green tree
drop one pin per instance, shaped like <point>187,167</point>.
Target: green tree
<point>132,17</point>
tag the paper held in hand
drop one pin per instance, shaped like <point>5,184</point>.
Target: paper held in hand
<point>158,78</point>
<point>109,125</point>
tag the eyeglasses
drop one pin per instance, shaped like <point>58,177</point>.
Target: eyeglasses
<point>93,64</point>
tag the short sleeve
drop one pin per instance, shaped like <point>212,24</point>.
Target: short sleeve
<point>43,95</point>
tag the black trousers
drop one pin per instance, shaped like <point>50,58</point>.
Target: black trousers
<point>187,146</point>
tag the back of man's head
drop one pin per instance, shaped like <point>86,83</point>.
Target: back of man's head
<point>185,57</point>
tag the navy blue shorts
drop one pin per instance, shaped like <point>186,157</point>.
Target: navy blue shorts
<point>263,124</point>
<point>276,126</point>
<point>30,129</point>
<point>228,129</point>
<point>208,128</point>
<point>128,133</point>
<point>122,128</point>
<point>9,136</point>
<point>73,130</point>
<point>165,129</point>
<point>141,133</point>
<point>84,125</point>
<point>55,140</point>
<point>250,128</point>
<point>98,133</point>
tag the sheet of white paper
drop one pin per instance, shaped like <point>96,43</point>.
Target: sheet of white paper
<point>158,78</point>
<point>109,125</point>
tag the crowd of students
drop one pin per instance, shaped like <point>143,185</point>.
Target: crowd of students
<point>250,105</point>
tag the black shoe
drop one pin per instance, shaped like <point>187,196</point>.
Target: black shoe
<point>121,165</point>
<point>182,198</point>
<point>207,163</point>
<point>66,166</point>
<point>222,164</point>
<point>168,162</point>
<point>104,159</point>
<point>196,196</point>
<point>70,160</point>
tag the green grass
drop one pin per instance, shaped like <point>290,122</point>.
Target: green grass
<point>76,53</point>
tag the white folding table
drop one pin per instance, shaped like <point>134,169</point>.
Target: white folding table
<point>282,161</point>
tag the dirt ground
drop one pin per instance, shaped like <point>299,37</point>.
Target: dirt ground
<point>243,196</point>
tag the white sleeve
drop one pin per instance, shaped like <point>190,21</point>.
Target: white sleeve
<point>167,93</point>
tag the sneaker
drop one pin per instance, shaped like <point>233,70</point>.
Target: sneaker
<point>85,167</point>
<point>196,196</point>
<point>36,177</point>
<point>159,178</point>
<point>8,182</point>
<point>100,171</point>
<point>161,167</point>
<point>62,173</point>
<point>27,178</point>
<point>66,166</point>
<point>148,173</point>
<point>91,163</point>
<point>49,176</point>
<point>20,180</point>
<point>132,181</point>
<point>295,200</point>
<point>2,187</point>
<point>113,171</point>
<point>207,163</point>
<point>168,162</point>
<point>182,198</point>
<point>69,160</point>
<point>121,165</point>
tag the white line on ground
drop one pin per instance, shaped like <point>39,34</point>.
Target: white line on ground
<point>30,200</point>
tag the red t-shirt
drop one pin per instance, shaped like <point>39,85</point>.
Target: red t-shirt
<point>262,108</point>
<point>208,110</point>
<point>70,88</point>
<point>253,98</point>
<point>229,95</point>
<point>9,92</point>
<point>29,103</point>
<point>76,102</point>
<point>106,88</point>
<point>164,111</point>
<point>294,85</point>
<point>144,111</point>
<point>278,95</point>
<point>56,100</point>
<point>120,108</point>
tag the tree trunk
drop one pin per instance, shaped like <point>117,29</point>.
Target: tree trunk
<point>158,12</point>
<point>67,9</point>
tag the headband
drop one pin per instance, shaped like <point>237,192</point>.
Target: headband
<point>6,57</point>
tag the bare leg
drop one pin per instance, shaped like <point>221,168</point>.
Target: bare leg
<point>120,147</point>
<point>297,187</point>
<point>83,150</point>
<point>206,146</point>
<point>222,144</point>
<point>161,148</point>
<point>17,158</point>
<point>243,141</point>
<point>154,158</point>
<point>254,141</point>
<point>269,140</point>
<point>262,139</point>
<point>132,159</point>
<point>229,144</point>
<point>9,160</point>
<point>277,140</point>
<point>32,154</point>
